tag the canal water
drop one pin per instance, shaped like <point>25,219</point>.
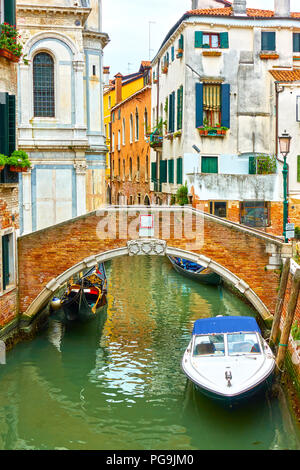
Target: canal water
<point>116,382</point>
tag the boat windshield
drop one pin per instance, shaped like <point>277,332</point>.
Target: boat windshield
<point>243,343</point>
<point>209,345</point>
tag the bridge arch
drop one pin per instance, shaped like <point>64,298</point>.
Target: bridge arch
<point>147,246</point>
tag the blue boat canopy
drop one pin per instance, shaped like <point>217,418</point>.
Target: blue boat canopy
<point>225,325</point>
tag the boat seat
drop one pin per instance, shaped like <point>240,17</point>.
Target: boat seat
<point>205,348</point>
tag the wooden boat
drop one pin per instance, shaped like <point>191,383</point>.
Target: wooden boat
<point>83,298</point>
<point>227,358</point>
<point>195,271</point>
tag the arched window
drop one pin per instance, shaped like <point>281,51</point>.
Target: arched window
<point>130,168</point>
<point>146,121</point>
<point>131,128</point>
<point>136,124</point>
<point>138,168</point>
<point>123,170</point>
<point>146,168</point>
<point>43,85</point>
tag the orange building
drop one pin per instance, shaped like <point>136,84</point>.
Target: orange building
<point>129,147</point>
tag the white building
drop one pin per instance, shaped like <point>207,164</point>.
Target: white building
<point>60,112</point>
<point>213,70</point>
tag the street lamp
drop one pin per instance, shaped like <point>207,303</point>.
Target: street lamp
<point>284,144</point>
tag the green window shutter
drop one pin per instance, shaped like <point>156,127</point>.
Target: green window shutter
<point>225,105</point>
<point>5,261</point>
<point>179,171</point>
<point>181,42</point>
<point>4,128</point>
<point>179,107</point>
<point>199,104</point>
<point>172,112</point>
<point>153,172</point>
<point>298,169</point>
<point>10,11</point>
<point>172,53</point>
<point>171,170</point>
<point>209,165</point>
<point>268,41</point>
<point>296,42</point>
<point>198,39</point>
<point>11,124</point>
<point>163,171</point>
<point>224,41</point>
<point>252,166</point>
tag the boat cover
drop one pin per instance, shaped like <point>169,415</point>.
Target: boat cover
<point>225,325</point>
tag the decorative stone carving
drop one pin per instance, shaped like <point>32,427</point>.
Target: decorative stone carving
<point>80,168</point>
<point>146,247</point>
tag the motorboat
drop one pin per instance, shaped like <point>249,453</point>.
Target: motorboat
<point>227,358</point>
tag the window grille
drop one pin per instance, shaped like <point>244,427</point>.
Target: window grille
<point>43,85</point>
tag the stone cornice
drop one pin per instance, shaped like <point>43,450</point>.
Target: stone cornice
<point>103,37</point>
<point>55,10</point>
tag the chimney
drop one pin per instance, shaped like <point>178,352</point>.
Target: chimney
<point>239,7</point>
<point>282,8</point>
<point>106,76</point>
<point>118,87</point>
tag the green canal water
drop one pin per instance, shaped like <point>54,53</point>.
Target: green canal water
<point>116,382</point>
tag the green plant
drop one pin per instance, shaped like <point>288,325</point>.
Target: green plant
<point>19,158</point>
<point>297,233</point>
<point>173,200</point>
<point>266,164</point>
<point>3,159</point>
<point>296,331</point>
<point>9,39</point>
<point>182,195</point>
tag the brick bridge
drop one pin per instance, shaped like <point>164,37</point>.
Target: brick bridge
<point>247,258</point>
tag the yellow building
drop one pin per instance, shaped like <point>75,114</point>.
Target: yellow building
<point>130,85</point>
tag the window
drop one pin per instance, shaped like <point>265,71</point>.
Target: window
<point>9,11</point>
<point>8,271</point>
<point>244,343</point>
<point>7,123</point>
<point>172,53</point>
<point>130,168</point>
<point>138,168</point>
<point>123,132</point>
<point>296,42</point>
<point>171,171</point>
<point>109,102</point>
<point>209,345</point>
<point>43,85</point>
<point>171,120</point>
<point>136,124</point>
<point>146,169</point>
<point>119,113</point>
<point>268,41</point>
<point>113,142</point>
<point>205,39</point>
<point>94,70</point>
<point>209,165</point>
<point>1,11</point>
<point>179,171</point>
<point>123,170</point>
<point>113,116</point>
<point>163,171</point>
<point>218,208</point>
<point>145,121</point>
<point>131,128</point>
<point>119,140</point>
<point>119,167</point>
<point>212,104</point>
<point>255,213</point>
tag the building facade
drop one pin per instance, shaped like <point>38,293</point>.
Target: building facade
<point>128,102</point>
<point>60,110</point>
<point>216,126</point>
<point>9,204</point>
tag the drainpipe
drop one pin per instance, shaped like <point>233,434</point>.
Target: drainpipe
<point>277,91</point>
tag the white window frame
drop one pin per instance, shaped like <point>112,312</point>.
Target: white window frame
<point>12,255</point>
<point>1,11</point>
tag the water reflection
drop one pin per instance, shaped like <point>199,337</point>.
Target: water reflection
<point>116,382</point>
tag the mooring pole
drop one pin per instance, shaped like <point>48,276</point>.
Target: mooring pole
<point>288,320</point>
<point>280,300</point>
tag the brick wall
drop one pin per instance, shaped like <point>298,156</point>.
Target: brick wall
<point>45,254</point>
<point>9,221</point>
<point>293,356</point>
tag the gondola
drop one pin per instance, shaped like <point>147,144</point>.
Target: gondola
<point>228,359</point>
<point>195,271</point>
<point>83,298</point>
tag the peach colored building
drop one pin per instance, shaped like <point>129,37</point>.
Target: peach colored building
<point>129,146</point>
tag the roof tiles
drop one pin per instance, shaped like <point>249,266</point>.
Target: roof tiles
<point>227,11</point>
<point>286,75</point>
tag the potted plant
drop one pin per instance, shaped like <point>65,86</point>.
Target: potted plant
<point>19,161</point>
<point>182,195</point>
<point>179,53</point>
<point>9,46</point>
<point>297,233</point>
<point>224,130</point>
<point>296,333</point>
<point>3,161</point>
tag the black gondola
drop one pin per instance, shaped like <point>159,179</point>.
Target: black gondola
<point>83,298</point>
<point>195,271</point>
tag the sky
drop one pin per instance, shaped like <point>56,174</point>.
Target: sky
<point>127,24</point>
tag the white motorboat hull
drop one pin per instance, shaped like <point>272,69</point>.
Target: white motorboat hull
<point>211,382</point>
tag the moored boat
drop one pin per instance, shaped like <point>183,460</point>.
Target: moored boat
<point>84,297</point>
<point>228,359</point>
<point>195,271</point>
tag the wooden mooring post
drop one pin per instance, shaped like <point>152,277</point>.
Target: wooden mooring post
<point>280,301</point>
<point>284,338</point>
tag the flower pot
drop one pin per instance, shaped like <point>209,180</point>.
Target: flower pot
<point>219,131</point>
<point>16,169</point>
<point>24,170</point>
<point>2,167</point>
<point>9,55</point>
